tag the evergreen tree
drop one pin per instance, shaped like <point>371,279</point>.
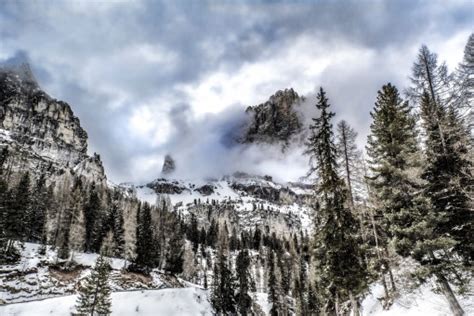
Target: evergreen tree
<point>144,259</point>
<point>313,304</point>
<point>115,224</point>
<point>244,283</point>
<point>444,228</point>
<point>175,252</point>
<point>394,158</point>
<point>234,243</point>
<point>338,255</point>
<point>394,163</point>
<point>40,204</point>
<point>274,290</point>
<point>303,287</point>
<point>193,233</point>
<point>449,180</point>
<point>94,295</point>
<point>212,234</point>
<point>91,214</point>
<point>257,238</point>
<point>64,235</point>
<point>18,207</point>
<point>73,220</point>
<point>223,295</point>
<point>203,238</point>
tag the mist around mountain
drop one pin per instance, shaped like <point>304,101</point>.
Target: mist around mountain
<point>274,210</point>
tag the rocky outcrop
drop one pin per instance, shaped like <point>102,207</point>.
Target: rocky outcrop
<point>91,168</point>
<point>162,186</point>
<point>40,132</point>
<point>275,120</point>
<point>206,189</point>
<point>169,166</point>
<point>33,118</point>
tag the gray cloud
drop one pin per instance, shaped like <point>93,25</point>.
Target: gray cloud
<point>131,69</point>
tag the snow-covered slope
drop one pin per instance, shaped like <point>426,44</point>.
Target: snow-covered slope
<point>180,302</point>
<point>415,302</point>
<point>194,301</point>
<point>249,199</point>
<point>38,276</point>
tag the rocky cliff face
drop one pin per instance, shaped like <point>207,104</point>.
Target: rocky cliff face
<point>41,132</point>
<point>275,120</point>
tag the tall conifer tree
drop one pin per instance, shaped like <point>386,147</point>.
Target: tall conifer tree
<point>338,255</point>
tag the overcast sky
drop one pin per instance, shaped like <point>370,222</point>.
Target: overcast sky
<point>149,77</point>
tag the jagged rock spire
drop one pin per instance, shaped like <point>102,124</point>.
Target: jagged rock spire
<point>168,165</point>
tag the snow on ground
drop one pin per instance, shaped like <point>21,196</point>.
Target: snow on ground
<point>262,300</point>
<point>179,302</point>
<point>222,191</point>
<point>35,277</point>
<point>30,282</point>
<point>5,135</point>
<point>420,301</point>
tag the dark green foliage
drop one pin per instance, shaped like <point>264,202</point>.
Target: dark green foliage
<point>145,242</point>
<point>94,295</point>
<point>338,255</point>
<point>223,297</point>
<point>42,198</point>
<point>203,237</point>
<point>175,252</point>
<point>393,163</point>
<point>16,207</point>
<point>234,243</point>
<point>212,234</point>
<point>274,289</point>
<point>257,238</point>
<point>314,307</point>
<point>450,182</point>
<point>115,224</point>
<point>193,233</point>
<point>92,214</point>
<point>19,208</point>
<point>244,283</point>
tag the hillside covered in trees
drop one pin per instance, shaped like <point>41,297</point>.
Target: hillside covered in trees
<point>392,218</point>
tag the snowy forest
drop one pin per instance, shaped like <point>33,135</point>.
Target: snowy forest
<point>383,228</point>
<point>408,202</point>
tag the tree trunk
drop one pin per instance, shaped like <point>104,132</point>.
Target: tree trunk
<point>355,305</point>
<point>348,172</point>
<point>336,305</point>
<point>392,280</point>
<point>454,306</point>
<point>387,295</point>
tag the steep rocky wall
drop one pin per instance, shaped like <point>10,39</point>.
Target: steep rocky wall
<point>41,134</point>
<point>46,125</point>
